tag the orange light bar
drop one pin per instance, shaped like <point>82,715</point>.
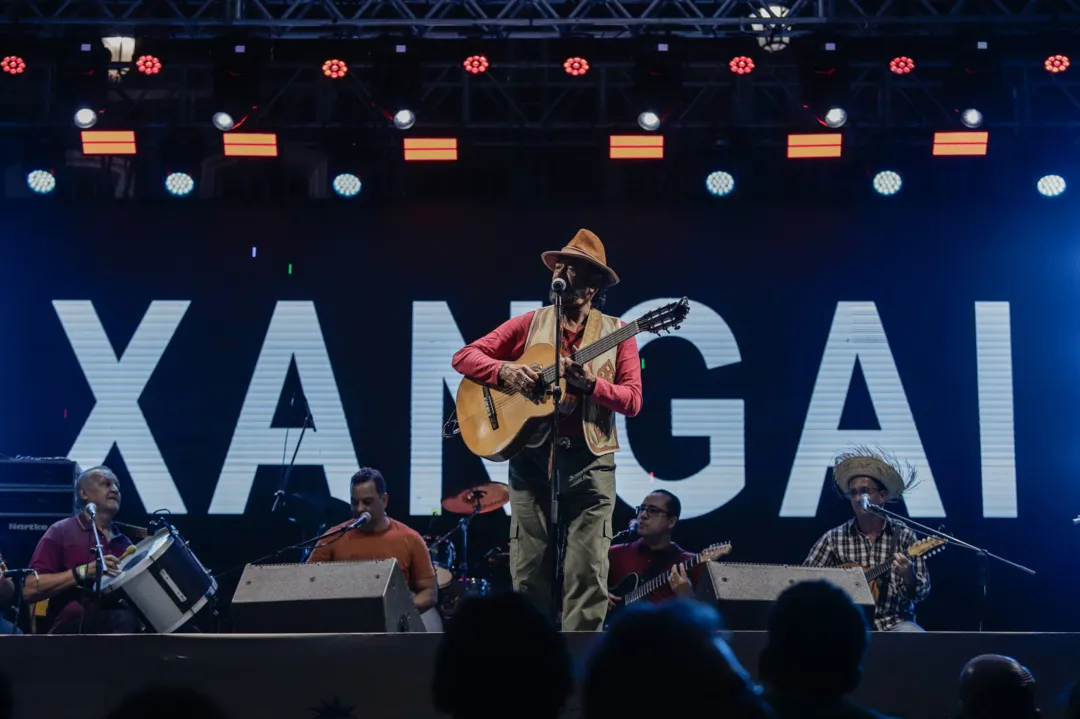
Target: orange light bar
<point>637,147</point>
<point>960,143</point>
<point>108,142</point>
<point>427,149</point>
<point>821,144</point>
<point>250,144</point>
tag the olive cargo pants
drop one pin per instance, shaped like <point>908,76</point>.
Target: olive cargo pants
<point>585,509</point>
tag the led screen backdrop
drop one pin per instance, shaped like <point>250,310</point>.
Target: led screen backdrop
<point>180,342</point>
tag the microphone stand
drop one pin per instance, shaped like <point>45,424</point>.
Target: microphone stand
<point>981,555</point>
<point>279,495</point>
<point>18,578</point>
<point>99,554</point>
<point>556,490</point>
<point>314,540</point>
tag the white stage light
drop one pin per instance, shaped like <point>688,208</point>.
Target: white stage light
<point>971,118</point>
<point>836,117</point>
<point>404,119</point>
<point>887,183</point>
<point>41,181</point>
<point>1050,185</point>
<point>719,183</point>
<point>223,121</point>
<point>85,118</point>
<point>649,121</point>
<point>347,185</point>
<point>179,184</point>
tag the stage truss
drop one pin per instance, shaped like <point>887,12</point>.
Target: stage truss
<point>531,18</point>
<point>537,103</point>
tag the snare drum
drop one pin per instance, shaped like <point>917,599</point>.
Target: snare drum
<point>442,557</point>
<point>162,582</point>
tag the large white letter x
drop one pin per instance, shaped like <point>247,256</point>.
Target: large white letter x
<point>117,385</point>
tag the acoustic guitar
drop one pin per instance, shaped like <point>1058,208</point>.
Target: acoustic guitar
<point>925,548</point>
<point>632,589</point>
<point>496,423</point>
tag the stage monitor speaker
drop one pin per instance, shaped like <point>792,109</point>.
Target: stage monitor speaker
<point>744,593</point>
<point>324,598</point>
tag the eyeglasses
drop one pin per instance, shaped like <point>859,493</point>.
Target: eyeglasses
<point>855,493</point>
<point>649,510</point>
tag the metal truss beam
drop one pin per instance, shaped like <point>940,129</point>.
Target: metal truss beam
<point>441,19</point>
<point>537,103</point>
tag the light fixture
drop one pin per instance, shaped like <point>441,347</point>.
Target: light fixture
<point>1050,185</point>
<point>719,183</point>
<point>649,121</point>
<point>404,119</point>
<point>85,118</point>
<point>179,184</point>
<point>836,117</point>
<point>41,181</point>
<point>887,183</point>
<point>223,121</point>
<point>971,118</point>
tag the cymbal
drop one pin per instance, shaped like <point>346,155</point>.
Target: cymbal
<point>490,497</point>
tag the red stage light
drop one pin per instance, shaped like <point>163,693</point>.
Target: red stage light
<point>576,66</point>
<point>741,65</point>
<point>1054,64</point>
<point>335,69</point>
<point>902,65</point>
<point>476,64</point>
<point>148,65</point>
<point>13,65</point>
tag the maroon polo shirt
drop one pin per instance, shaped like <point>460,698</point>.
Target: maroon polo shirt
<point>68,544</point>
<point>638,558</point>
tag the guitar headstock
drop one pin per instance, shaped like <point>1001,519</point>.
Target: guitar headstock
<point>668,317</point>
<point>926,547</point>
<point>715,551</point>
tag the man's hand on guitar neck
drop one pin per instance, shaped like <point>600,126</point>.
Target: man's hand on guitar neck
<point>905,570</point>
<point>679,582</point>
<point>521,377</point>
<point>578,375</point>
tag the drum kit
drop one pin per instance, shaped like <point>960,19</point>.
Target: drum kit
<point>454,576</point>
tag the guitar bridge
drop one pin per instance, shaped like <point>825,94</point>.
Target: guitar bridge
<point>489,403</point>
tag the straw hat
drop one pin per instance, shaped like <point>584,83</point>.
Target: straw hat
<point>875,464</point>
<point>585,246</point>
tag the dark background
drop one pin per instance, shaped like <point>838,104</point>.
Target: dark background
<point>773,270</point>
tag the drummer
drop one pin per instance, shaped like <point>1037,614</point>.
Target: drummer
<point>381,538</point>
<point>66,568</point>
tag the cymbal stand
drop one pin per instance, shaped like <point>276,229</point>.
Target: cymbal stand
<point>463,527</point>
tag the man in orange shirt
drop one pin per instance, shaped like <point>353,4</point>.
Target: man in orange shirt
<point>381,538</point>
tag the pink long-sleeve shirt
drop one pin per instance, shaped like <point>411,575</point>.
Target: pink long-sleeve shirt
<point>480,361</point>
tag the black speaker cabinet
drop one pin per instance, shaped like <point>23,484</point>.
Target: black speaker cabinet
<point>325,598</point>
<point>744,593</point>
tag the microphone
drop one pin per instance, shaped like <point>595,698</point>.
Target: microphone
<point>632,529</point>
<point>558,285</point>
<point>865,500</point>
<point>360,521</point>
<point>91,509</point>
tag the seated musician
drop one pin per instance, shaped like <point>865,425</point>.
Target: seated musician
<point>381,538</point>
<point>66,567</point>
<point>653,552</point>
<point>7,596</point>
<point>870,539</point>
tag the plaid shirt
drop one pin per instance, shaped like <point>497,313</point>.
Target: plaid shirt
<point>846,543</point>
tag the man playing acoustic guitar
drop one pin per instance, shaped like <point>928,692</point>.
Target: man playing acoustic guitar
<point>871,540</point>
<point>653,553</point>
<point>607,384</point>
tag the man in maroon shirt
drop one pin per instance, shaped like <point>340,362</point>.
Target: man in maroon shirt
<point>587,442</point>
<point>66,567</point>
<point>653,553</point>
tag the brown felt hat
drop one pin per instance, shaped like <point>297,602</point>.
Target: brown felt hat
<point>585,246</point>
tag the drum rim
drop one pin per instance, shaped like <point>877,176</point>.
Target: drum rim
<point>127,574</point>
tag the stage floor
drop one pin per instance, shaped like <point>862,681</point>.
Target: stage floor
<point>389,675</point>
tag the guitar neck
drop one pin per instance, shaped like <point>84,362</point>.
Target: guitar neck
<point>656,582</point>
<point>597,348</point>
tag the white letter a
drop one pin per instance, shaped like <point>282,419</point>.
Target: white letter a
<point>294,332</point>
<point>857,334</point>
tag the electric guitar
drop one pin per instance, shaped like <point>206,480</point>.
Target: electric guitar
<point>632,589</point>
<point>925,548</point>
<point>496,423</point>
